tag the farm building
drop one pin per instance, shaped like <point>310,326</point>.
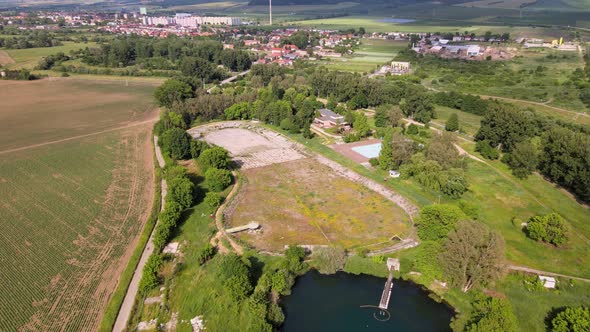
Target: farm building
<point>328,118</point>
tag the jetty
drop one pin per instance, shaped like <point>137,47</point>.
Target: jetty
<point>392,265</point>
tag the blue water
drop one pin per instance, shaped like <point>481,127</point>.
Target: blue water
<point>332,303</point>
<point>396,20</point>
<point>369,151</point>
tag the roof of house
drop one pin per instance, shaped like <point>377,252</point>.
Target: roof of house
<point>328,115</point>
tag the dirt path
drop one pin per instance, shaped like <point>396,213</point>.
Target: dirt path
<point>127,305</point>
<point>5,59</point>
<point>535,103</point>
<point>130,125</point>
<point>539,272</point>
<point>229,80</point>
<point>219,223</point>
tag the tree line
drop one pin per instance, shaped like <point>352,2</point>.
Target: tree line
<point>531,142</point>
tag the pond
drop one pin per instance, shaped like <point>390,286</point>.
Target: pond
<point>334,303</point>
<point>396,20</point>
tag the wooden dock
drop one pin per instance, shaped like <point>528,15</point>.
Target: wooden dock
<point>392,265</point>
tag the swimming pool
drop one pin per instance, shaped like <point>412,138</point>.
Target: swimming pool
<point>369,151</point>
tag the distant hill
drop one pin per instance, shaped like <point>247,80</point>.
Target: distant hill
<point>363,2</point>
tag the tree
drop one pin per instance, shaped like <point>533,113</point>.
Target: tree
<point>523,160</point>
<point>361,124</point>
<point>329,260</point>
<point>473,255</point>
<point>213,200</point>
<point>436,221</point>
<point>180,190</point>
<point>387,116</point>
<point>572,320</point>
<point>550,228</point>
<point>239,286</point>
<point>452,123</point>
<point>197,147</point>
<point>486,150</point>
<point>492,315</point>
<point>216,157</point>
<point>197,67</point>
<point>149,277</point>
<point>386,161</point>
<point>177,143</point>
<point>217,179</point>
<point>443,151</point>
<point>412,129</point>
<point>172,91</point>
<point>418,106</point>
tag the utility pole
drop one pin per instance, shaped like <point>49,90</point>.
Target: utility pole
<point>270,10</point>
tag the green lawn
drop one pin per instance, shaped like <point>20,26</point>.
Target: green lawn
<point>532,308</point>
<point>28,57</point>
<point>370,55</point>
<point>468,123</point>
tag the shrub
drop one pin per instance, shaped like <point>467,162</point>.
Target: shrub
<point>213,200</point>
<point>205,254</point>
<point>216,157</point>
<point>149,278</point>
<point>492,314</point>
<point>549,228</point>
<point>217,179</point>
<point>412,129</point>
<point>329,260</point>
<point>177,143</point>
<point>486,150</point>
<point>180,190</point>
<point>452,123</point>
<point>572,319</point>
<point>436,221</point>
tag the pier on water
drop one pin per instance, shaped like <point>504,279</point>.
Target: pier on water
<point>392,265</point>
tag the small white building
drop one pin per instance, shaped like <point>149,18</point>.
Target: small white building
<point>394,173</point>
<point>548,282</point>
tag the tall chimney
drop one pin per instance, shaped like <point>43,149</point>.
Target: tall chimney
<point>270,10</point>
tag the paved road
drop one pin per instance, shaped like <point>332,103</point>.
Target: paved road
<point>127,306</point>
<point>229,80</point>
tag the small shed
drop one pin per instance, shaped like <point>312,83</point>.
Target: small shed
<point>548,282</point>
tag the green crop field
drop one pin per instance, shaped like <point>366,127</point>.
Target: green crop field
<point>76,179</point>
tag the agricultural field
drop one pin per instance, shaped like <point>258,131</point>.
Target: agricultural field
<point>78,183</point>
<point>312,206</point>
<point>371,54</point>
<point>506,4</point>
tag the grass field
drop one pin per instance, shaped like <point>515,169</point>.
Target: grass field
<point>75,205</point>
<point>29,57</point>
<point>371,54</point>
<point>312,206</point>
<point>468,123</point>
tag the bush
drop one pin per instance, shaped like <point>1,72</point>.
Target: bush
<point>329,260</point>
<point>453,123</point>
<point>572,319</point>
<point>205,254</point>
<point>197,147</point>
<point>180,190</point>
<point>486,150</point>
<point>213,200</point>
<point>217,179</point>
<point>550,228</point>
<point>177,143</point>
<point>412,129</point>
<point>436,221</point>
<point>149,277</point>
<point>216,157</point>
<point>374,162</point>
<point>492,314</point>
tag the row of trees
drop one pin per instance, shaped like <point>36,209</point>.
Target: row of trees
<point>37,38</point>
<point>531,141</point>
<point>167,53</point>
